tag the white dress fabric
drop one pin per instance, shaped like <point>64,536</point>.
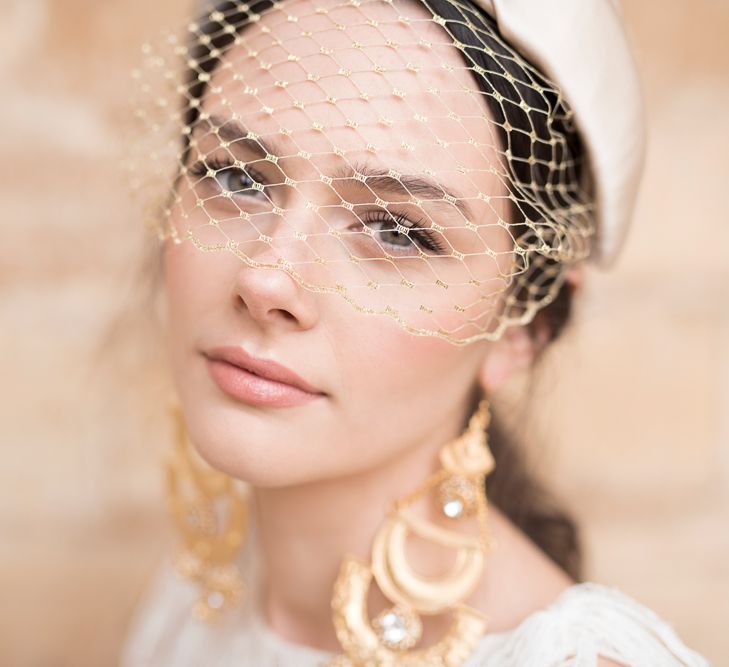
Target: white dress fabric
<point>586,621</point>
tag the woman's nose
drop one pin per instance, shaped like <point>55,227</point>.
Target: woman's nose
<point>269,294</point>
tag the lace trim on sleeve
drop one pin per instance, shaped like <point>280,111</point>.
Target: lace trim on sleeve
<point>591,620</point>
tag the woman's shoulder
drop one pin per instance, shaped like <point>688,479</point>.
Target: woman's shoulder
<point>593,624</point>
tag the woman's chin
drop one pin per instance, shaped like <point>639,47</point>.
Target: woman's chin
<point>258,461</point>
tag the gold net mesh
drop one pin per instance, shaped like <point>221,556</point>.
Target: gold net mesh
<point>399,155</point>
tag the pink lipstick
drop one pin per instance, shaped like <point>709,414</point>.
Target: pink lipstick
<point>261,382</point>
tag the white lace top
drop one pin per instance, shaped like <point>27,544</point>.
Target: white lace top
<point>587,620</point>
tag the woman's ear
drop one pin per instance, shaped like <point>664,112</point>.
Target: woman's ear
<point>514,352</point>
<point>519,346</point>
<point>574,275</point>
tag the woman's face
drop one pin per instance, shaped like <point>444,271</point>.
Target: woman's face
<point>381,389</point>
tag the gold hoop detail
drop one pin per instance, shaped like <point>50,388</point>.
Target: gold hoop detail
<point>402,585</point>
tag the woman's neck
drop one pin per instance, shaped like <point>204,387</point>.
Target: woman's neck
<point>305,531</point>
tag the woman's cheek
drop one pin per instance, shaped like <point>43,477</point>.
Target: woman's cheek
<point>393,364</point>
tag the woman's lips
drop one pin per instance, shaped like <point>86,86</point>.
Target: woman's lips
<point>253,389</point>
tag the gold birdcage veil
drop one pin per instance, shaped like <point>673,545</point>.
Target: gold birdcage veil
<point>399,155</point>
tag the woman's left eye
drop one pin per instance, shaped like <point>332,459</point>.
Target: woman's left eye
<point>393,232</point>
<point>236,180</point>
<point>389,232</point>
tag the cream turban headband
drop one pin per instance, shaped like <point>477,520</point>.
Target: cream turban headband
<point>581,45</point>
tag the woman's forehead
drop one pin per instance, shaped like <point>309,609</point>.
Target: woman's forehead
<point>337,81</point>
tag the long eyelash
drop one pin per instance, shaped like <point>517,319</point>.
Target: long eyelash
<point>415,230</point>
<point>201,167</point>
<point>216,164</point>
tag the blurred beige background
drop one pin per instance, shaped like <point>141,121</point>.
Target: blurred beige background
<point>631,419</point>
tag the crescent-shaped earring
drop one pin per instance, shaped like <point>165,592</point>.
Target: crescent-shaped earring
<point>210,515</point>
<point>390,638</point>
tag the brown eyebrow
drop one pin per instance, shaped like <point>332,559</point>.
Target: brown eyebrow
<point>378,178</point>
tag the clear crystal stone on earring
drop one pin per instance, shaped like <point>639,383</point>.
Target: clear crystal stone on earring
<point>458,497</point>
<point>398,628</point>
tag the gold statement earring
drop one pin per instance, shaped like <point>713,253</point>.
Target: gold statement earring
<point>389,639</point>
<point>210,515</point>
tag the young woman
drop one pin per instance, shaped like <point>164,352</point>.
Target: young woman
<point>377,216</point>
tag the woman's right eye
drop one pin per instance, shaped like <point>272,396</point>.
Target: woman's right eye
<point>230,179</point>
<point>236,181</point>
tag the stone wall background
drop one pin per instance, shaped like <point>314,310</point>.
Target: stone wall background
<point>633,402</point>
